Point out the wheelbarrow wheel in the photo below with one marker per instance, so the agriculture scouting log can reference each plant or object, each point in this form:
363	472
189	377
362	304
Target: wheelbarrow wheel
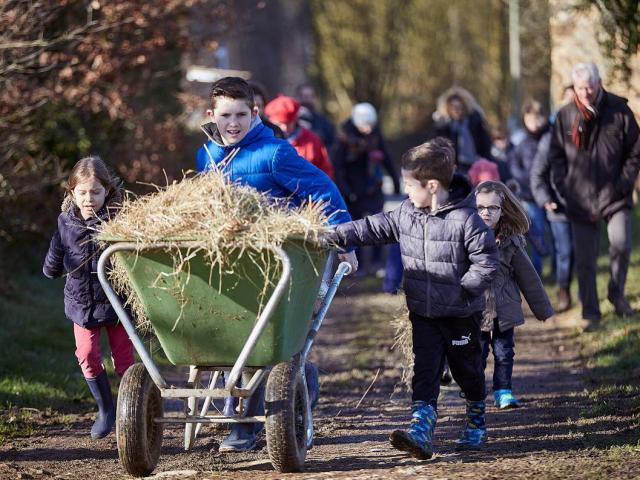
286	417
139	437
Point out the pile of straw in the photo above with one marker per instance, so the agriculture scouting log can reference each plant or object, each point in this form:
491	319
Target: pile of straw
403	341
220	216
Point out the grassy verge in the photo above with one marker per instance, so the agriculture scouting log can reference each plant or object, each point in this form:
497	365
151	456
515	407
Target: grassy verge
612	354
37	363
39	374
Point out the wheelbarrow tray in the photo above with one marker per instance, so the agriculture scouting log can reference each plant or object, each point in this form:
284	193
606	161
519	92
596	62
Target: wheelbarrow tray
202	316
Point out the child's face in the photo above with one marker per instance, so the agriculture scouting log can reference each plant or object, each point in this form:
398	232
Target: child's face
419	195
533	122
287	128
233	118
489	207
89	196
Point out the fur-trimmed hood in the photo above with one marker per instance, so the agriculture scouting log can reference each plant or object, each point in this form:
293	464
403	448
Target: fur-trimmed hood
441	115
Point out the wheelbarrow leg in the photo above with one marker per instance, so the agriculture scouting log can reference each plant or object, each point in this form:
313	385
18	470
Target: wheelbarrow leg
192	404
207	401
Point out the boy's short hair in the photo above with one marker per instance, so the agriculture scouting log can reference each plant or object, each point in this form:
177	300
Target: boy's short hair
232	87
433	160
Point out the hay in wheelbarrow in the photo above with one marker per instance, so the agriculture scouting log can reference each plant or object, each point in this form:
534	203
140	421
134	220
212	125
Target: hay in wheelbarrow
221	217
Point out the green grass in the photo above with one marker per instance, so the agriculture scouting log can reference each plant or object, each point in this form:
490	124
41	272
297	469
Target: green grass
37	363
612	351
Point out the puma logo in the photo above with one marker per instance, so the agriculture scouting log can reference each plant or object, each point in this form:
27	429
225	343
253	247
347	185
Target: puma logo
464	340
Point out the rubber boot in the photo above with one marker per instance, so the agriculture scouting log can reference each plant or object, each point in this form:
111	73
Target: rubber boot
242	437
101	391
230	404
474	433
418	440
313	383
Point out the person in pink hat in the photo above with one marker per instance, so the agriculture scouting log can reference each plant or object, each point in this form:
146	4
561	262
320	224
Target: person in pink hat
283	112
483	170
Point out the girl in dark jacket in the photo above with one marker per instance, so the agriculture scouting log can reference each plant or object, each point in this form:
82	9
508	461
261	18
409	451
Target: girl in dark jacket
92	195
503	213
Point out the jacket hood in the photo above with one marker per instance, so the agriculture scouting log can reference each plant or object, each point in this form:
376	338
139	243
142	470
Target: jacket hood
257	130
459	194
441	115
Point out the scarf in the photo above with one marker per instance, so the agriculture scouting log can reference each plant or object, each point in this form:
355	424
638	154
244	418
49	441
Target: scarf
582	124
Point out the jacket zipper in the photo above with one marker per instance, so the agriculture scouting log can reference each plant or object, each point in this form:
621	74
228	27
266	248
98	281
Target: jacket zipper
426	268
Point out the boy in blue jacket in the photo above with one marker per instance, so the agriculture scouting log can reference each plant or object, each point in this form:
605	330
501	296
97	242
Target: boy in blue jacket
247	151
449	257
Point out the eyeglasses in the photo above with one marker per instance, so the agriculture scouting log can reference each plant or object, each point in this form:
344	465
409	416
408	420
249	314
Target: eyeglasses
490	208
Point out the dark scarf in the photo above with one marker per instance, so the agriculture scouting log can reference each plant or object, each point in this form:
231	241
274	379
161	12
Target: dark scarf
583	124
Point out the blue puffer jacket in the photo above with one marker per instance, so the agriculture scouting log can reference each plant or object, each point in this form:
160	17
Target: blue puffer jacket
271	165
449	255
73	252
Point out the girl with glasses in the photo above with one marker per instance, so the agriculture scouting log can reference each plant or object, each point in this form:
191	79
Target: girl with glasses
502	212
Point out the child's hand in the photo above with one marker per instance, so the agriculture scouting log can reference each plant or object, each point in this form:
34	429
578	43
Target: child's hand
351	259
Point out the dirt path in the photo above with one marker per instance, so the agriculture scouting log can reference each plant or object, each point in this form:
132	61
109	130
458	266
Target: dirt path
547	438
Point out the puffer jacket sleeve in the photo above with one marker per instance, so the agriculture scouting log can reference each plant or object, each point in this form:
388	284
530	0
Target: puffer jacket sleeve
53	262
373	230
305	181
530	284
482	252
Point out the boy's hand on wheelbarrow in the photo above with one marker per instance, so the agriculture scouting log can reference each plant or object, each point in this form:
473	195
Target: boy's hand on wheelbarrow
350	258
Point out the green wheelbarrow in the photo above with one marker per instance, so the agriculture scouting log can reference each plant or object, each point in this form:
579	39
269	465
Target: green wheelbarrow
254	323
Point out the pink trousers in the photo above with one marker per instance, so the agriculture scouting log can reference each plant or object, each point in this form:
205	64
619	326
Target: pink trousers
89	354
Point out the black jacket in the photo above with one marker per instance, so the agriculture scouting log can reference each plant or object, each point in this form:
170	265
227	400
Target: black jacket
449	256
598	181
359	161
74	252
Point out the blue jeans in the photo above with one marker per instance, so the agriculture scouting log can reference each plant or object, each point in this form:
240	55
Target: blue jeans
562	245
393	269
535	235
502	344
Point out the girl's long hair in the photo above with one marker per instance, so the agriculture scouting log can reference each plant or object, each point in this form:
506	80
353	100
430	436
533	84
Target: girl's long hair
514	219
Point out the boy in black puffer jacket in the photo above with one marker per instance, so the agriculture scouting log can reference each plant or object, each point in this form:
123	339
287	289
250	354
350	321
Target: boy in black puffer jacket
449	257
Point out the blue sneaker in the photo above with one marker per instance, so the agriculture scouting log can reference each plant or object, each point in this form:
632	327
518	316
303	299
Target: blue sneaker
418	440
505	399
474	434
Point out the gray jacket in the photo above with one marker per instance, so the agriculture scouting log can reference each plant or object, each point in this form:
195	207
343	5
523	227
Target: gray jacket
449	255
541	187
516	274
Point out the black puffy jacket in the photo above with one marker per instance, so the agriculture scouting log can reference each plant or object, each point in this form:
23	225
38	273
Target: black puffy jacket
74	252
449	255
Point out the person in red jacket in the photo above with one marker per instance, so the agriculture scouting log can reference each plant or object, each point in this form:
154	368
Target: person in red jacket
283	112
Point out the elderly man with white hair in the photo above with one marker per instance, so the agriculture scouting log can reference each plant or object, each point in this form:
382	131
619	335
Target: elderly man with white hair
595	158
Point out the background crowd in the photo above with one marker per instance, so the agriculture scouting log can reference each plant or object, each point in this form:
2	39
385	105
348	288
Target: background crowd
566	187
